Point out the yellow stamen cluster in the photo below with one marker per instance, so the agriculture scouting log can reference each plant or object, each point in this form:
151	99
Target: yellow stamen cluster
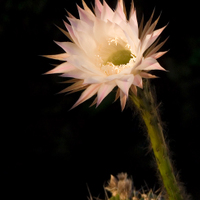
114	56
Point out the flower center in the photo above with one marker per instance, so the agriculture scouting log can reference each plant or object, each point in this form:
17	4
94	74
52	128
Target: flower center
121	57
114	55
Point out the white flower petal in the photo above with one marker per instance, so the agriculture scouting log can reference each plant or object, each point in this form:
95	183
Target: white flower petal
150	38
80	25
71	32
76	74
116	18
137	81
147	75
125	84
107	13
88	93
87	9
82	63
120	10
104	90
61	56
98	8
134	24
158	54
62	68
123	99
85	40
70	48
95	79
150	64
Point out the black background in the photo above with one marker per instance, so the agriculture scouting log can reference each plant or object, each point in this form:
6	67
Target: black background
49	151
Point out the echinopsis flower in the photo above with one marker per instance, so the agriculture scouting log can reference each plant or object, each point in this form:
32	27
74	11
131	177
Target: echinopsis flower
107	50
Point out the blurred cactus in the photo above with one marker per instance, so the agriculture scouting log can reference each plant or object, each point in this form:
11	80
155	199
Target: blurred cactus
122	188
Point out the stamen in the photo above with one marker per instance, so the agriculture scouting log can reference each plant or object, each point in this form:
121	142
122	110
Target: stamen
114	56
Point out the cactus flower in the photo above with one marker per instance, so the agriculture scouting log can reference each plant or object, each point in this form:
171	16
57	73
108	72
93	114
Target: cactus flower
107	50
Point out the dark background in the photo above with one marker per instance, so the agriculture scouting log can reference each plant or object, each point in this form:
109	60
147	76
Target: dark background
49	151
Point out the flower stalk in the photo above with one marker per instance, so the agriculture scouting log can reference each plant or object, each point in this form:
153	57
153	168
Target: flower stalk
146	105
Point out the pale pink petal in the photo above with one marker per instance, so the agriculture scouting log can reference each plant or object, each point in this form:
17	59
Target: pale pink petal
98	35
98	8
155	66
104	90
62	68
94	79
132	42
114	77
83	63
159	54
88	93
61	56
134	89
75	86
87	17
65	33
107	13
138	81
147	75
86	41
71	32
117	95
116	18
80	25
70	48
155	35
150	38
120	10
133	23
123	99
94	102
150	64
124	85
78	74
87	9
70	15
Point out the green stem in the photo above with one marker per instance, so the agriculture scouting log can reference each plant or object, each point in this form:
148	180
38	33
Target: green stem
145	103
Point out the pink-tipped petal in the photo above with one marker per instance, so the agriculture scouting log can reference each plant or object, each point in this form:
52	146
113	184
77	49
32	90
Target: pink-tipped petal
117	95
78	74
94	102
98	8
159	54
151	38
150	64
107	13
147	75
86	8
104	90
82	63
120	10
71	32
70	48
123	99
61	56
134	89
75	86
138	81
94	79
87	17
88	93
133	23
80	25
62	68
124	85
86	41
